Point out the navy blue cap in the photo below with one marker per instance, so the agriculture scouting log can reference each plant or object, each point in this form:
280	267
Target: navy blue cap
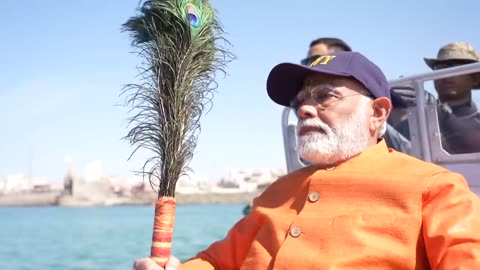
286	79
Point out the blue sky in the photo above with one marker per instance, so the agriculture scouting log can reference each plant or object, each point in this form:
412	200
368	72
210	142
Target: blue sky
63	64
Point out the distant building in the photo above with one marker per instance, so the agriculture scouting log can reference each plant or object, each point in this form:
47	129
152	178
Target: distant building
40	188
19	183
68	183
249	180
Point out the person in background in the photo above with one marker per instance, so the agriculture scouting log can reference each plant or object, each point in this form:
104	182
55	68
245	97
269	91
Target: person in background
323	46
459	118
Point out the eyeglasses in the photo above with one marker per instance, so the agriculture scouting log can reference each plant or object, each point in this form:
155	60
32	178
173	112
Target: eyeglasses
309	60
323	96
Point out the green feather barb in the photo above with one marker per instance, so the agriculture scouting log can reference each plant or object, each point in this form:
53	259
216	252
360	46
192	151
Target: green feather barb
181	44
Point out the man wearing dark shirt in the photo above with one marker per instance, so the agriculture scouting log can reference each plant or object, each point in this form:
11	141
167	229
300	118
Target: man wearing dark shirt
459	119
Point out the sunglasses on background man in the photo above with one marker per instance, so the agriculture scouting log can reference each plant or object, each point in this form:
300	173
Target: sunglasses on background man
307	61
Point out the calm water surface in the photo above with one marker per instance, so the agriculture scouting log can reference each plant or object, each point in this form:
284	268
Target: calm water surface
102	238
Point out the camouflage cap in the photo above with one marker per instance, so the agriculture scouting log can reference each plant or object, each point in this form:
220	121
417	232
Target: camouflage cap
455	51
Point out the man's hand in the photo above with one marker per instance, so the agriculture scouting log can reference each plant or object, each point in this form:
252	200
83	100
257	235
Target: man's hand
148	264
403	97
406	97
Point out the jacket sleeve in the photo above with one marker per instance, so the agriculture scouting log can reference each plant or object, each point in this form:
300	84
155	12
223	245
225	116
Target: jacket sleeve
230	252
451	223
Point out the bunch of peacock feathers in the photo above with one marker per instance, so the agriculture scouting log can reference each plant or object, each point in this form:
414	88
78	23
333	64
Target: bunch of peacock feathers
181	43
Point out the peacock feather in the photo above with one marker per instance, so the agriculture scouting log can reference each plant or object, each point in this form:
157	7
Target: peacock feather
182	46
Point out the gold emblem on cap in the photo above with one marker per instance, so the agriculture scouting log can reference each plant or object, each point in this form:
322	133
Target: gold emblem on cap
322	60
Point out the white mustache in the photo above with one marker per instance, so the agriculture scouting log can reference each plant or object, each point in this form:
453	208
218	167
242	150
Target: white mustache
312	123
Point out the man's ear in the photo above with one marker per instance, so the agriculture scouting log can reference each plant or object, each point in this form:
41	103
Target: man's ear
381	111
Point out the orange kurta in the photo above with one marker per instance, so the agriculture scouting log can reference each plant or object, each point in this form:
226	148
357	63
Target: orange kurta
379	210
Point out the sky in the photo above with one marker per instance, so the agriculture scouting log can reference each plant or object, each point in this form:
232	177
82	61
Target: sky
63	65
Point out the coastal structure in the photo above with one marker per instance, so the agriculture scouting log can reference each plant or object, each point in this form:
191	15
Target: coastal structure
95	189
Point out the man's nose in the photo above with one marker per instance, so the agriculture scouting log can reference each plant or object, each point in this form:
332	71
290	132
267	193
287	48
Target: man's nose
307	110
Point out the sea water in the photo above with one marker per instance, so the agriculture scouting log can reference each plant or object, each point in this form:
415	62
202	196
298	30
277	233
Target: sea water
54	238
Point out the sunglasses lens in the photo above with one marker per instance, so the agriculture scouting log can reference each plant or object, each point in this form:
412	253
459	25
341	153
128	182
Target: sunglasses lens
450	64
307	61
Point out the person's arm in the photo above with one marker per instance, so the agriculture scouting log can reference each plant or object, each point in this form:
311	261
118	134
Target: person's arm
459	134
225	254
403	97
451	223
230	252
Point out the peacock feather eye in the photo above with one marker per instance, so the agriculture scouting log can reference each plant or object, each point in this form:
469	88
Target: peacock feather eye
193	16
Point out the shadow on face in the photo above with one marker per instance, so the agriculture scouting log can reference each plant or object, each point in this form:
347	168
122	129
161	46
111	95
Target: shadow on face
454	88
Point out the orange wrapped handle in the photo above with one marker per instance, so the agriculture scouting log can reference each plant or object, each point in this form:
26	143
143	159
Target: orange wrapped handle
163	230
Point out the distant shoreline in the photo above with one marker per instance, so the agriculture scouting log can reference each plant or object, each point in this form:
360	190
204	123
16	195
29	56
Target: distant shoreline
57	199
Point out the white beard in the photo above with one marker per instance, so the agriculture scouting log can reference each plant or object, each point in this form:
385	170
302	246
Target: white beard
347	139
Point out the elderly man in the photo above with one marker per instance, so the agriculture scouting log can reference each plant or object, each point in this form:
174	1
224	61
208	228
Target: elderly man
360	205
